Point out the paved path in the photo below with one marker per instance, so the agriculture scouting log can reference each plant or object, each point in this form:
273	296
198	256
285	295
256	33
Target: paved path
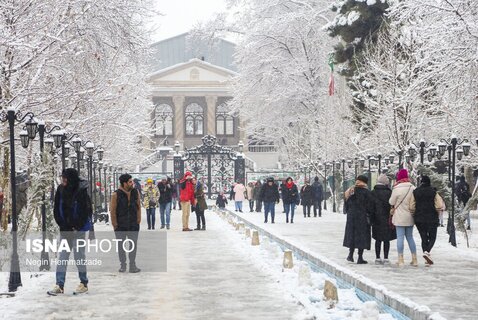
206	279
449	287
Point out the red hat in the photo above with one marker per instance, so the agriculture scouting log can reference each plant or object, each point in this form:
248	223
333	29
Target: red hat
187	174
402	174
98	184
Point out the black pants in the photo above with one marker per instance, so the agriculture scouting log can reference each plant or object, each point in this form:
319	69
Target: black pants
428	233
122	234
386	248
317	205
306	209
251	205
200	218
258	206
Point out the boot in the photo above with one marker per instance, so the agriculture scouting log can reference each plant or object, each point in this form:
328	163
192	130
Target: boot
350	257
414	262
198	227
400	262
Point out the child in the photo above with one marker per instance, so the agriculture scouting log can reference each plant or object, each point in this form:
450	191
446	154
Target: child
221	201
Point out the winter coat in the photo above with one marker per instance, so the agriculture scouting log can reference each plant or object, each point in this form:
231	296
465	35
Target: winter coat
425	205
359	207
290	196
186	193
307	195
221	201
256	194
250	192
200	198
318	191
165	192
381	228
239	190
462	190
269	193
125	210
75	213
400	200
150	193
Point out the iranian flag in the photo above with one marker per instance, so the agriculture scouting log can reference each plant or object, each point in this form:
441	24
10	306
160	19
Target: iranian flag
331	80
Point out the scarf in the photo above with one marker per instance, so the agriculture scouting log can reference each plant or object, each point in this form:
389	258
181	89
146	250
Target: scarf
289	185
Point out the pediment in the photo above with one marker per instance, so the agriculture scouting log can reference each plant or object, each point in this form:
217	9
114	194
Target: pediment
194	70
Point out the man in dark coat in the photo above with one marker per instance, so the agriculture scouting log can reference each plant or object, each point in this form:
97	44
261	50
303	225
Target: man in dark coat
165	200
426	203
359	206
382	228
307	198
462	190
318	196
125	210
257	195
270	196
73	213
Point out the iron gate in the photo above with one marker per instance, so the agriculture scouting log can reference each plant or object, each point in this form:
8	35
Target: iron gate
216	166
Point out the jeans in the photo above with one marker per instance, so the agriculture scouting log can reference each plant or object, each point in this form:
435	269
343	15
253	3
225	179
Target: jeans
238	205
251	205
318	205
289	208
151	217
165	212
78	253
428	234
175	200
405	232
269	207
122	235
258	206
200	218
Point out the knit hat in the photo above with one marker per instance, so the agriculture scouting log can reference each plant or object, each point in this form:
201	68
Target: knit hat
149	180
362	178
270	179
383	179
426	181
402	174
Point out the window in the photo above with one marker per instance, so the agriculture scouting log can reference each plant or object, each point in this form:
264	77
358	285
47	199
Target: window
194	119
224	121
164	120
194	74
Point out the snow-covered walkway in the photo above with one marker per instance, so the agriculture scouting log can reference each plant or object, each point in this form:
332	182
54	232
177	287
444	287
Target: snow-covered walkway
448	287
207	278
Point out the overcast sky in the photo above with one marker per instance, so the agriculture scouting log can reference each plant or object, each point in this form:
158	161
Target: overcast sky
181	15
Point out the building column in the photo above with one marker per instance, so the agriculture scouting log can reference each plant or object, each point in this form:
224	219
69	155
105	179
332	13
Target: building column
179	118
211	115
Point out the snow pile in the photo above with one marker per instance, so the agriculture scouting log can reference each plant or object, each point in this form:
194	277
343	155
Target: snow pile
370	311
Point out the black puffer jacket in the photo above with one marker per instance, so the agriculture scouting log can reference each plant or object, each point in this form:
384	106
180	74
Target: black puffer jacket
381	228
269	193
307	195
291	195
165	193
425	211
73	211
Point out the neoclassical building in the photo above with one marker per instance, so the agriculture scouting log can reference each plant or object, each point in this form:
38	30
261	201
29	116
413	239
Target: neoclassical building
190	90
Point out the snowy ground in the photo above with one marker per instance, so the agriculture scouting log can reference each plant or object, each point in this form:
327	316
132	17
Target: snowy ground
215	274
449	287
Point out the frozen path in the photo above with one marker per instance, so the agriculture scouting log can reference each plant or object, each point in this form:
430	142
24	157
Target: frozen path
449	287
206	279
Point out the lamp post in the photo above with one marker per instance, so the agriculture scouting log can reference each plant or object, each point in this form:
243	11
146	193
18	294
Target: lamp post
369	172
326	166
110	180
422	147
464	149
400	158
95	194
11	117
100	166
344	187
77	146
105	168
335	165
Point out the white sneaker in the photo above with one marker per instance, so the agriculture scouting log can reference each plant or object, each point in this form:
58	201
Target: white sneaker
386	262
378	261
56	291
81	289
428	258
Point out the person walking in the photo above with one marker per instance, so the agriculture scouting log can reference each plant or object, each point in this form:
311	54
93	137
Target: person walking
318	192
187	198
290	197
307	198
402	218
462	190
201	205
73	213
250	195
425	205
270	196
150	202
137	186
165	199
239	191
257	195
359	206
221	200
383	231
125	210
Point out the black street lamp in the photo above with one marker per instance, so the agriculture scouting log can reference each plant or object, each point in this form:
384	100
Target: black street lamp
105	168
423	148
369	171
400	158
335	165
95	193
100	166
326	166
111	178
343	177
76	142
464	149
15	279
